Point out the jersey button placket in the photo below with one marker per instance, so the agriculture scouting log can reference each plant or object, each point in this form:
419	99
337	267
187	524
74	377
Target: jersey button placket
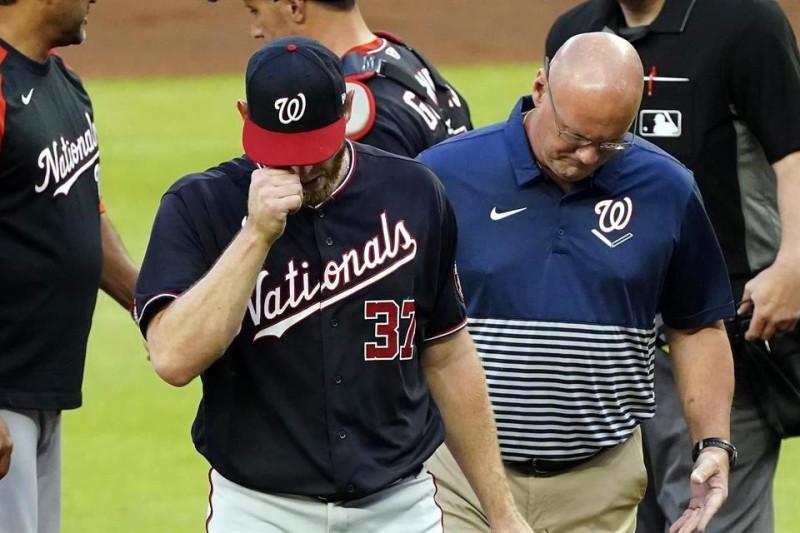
559	240
342	434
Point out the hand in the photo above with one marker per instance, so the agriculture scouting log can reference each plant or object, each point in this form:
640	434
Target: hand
512	523
5	448
774	298
274	194
708	490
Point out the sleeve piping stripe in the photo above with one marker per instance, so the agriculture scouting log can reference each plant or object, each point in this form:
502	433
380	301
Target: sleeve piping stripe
153	299
450	331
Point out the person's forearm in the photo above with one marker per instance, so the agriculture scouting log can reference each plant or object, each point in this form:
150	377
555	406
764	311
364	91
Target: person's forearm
788	174
6	446
118	277
458	386
703	369
195	330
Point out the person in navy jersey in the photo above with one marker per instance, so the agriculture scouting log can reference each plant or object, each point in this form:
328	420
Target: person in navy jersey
311	284
58	247
401	104
574	235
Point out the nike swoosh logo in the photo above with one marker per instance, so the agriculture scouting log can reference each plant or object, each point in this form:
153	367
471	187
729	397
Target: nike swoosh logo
26	98
495	215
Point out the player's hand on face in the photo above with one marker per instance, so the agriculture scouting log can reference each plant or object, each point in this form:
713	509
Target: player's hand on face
708	490
274	194
774	297
5	448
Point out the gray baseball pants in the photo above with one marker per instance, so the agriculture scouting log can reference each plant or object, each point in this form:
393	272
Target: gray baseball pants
30	494
407	506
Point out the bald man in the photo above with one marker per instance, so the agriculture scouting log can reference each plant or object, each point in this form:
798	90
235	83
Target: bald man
731	115
574	235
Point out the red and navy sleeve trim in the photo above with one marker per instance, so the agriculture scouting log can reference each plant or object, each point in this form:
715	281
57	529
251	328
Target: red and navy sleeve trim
450	331
141	317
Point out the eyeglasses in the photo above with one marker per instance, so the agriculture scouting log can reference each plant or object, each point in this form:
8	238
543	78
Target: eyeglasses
580	140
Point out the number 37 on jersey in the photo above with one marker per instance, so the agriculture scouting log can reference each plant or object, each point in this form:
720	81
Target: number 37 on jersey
395	325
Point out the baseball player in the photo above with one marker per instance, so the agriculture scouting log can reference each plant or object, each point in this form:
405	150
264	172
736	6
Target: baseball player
401	103
311	284
57	248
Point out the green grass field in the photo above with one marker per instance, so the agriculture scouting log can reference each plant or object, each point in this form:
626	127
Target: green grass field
129	464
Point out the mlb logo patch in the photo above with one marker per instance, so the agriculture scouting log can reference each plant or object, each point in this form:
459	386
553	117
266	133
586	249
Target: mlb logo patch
660	123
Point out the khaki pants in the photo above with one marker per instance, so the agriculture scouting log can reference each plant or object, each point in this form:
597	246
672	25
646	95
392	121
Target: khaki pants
599	496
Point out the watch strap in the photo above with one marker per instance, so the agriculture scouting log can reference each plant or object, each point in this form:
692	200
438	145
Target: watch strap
715	443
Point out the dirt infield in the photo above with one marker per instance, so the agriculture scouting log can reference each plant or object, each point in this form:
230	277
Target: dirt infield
166	37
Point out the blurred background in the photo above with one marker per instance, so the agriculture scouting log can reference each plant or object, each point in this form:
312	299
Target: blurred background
164	76
166	37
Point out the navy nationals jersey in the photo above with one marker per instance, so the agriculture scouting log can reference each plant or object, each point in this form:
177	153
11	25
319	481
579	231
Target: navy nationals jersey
49	231
322	391
402	104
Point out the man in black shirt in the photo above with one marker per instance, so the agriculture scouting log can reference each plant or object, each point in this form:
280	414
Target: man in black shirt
722	94
402	104
58	247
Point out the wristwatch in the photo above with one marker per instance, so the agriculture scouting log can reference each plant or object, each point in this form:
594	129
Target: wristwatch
715	443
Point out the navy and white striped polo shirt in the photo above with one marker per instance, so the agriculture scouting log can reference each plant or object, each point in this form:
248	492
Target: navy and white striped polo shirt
563	289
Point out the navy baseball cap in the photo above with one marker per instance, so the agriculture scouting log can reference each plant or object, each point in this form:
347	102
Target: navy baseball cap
296	102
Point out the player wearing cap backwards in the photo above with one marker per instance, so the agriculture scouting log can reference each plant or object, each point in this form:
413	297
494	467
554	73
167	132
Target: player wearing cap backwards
57	246
311	285
401	103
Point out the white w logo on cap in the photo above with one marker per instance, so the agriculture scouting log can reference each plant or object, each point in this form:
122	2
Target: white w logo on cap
291	110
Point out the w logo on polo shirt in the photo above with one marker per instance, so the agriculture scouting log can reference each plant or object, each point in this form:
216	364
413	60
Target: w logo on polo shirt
614	217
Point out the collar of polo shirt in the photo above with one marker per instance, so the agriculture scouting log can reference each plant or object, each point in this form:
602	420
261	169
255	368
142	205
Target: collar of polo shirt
672	19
